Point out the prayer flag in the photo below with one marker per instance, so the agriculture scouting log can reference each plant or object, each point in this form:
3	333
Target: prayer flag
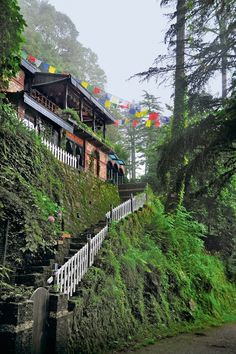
148	123
124	105
101	101
31	59
24	54
90	88
51	69
108	96
135	123
114	100
84	84
138	114
144	112
44	67
165	120
107	104
157	123
96	90
153	116
38	62
132	111
116	123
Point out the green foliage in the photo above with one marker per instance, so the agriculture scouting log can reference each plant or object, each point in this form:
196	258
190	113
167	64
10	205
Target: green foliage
11	26
34	187
5	278
152	278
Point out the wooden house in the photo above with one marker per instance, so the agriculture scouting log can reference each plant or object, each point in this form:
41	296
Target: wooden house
47	103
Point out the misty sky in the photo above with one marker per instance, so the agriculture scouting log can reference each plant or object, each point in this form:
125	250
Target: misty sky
127	35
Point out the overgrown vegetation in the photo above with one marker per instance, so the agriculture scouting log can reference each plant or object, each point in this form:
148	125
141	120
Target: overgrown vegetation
11	26
38	193
153	278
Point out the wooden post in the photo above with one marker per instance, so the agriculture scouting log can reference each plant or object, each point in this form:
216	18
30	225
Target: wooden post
81	109
89	248
104	129
132	202
94	121
66	96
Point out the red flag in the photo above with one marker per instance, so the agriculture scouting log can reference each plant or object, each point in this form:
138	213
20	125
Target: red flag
153	116
124	105
96	90
157	123
135	123
116	123
31	59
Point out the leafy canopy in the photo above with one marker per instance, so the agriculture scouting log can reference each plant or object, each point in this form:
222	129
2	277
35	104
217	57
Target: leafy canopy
11	26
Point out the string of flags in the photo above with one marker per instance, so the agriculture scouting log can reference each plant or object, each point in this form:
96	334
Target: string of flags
133	113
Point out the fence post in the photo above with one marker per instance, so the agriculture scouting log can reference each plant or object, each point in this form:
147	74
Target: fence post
109	219
132	202
89	248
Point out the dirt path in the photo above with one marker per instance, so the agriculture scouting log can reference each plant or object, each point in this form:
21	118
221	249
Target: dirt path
211	341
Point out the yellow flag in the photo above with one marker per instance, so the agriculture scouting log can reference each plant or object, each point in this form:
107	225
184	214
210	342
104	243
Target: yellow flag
51	69
148	123
84	84
107	104
144	113
138	114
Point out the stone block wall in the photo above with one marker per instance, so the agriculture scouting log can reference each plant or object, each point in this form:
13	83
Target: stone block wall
16	327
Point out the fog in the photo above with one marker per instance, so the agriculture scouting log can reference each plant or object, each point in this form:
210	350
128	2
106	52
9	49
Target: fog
127	35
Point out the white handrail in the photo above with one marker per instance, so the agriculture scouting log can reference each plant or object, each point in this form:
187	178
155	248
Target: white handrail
71	273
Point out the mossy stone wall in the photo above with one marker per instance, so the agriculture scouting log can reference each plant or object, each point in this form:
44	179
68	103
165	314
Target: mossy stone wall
35	186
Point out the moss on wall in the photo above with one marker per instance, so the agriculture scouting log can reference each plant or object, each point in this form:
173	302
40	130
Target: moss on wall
152	278
35	186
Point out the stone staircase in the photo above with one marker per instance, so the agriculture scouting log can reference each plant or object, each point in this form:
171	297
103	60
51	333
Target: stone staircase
37	273
125	190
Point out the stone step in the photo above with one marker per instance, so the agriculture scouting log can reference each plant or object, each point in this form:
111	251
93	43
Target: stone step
31	279
132	186
45	262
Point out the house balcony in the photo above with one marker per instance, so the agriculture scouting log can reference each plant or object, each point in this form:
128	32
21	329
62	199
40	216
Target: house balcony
82	130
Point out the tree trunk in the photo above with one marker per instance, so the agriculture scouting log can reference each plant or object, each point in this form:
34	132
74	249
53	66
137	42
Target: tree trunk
176	191
222	20
133	155
180	79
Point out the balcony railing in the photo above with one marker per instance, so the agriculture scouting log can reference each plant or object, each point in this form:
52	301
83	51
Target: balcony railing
43	100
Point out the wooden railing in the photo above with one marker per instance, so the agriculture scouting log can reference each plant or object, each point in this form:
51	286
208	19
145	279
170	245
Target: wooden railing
61	154
44	101
71	273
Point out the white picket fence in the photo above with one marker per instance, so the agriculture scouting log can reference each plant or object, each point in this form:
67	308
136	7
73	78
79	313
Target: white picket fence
61	154
71	273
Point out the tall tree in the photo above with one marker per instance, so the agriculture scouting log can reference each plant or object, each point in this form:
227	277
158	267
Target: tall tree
11	27
57	42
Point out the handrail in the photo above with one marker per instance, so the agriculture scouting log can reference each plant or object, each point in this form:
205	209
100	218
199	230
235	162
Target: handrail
71	273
